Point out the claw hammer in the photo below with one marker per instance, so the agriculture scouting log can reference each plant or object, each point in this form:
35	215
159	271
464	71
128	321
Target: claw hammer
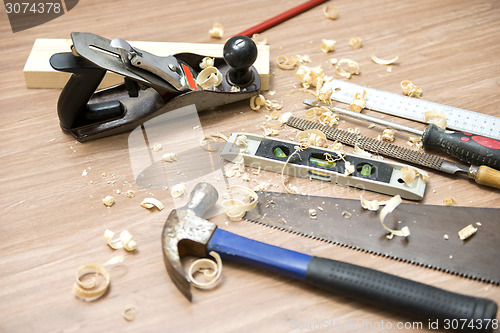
187	232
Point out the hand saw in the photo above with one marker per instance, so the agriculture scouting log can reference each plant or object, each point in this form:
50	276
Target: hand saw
433	243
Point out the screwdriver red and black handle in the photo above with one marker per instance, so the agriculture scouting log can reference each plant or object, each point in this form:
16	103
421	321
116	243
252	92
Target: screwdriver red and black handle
383	290
467	147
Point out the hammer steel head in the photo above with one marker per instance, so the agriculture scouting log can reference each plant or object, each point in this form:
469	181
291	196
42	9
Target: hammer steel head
186	232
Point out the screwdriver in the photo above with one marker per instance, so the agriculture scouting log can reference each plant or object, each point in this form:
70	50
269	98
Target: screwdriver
467	147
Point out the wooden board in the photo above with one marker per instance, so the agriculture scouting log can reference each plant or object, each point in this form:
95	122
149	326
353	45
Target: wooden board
39	74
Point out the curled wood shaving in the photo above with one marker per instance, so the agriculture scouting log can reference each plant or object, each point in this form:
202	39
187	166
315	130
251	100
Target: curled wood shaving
328	45
324	94
436	118
310	76
409	89
450	201
178	190
415	141
336	145
170	157
108	201
312	137
349	168
346	68
130	193
331	12
329	119
128	313
408	174
389	207
205	141
217	31
467	232
157	147
91	290
125	240
372	205
285	63
207	62
209	77
211	271
379	61
152	202
388	135
355	42
346	214
236	208
359	102
257	101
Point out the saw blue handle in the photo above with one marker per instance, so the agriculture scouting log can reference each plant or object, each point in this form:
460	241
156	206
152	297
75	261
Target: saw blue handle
384	290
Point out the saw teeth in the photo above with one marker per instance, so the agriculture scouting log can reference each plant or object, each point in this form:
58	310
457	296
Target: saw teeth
357	248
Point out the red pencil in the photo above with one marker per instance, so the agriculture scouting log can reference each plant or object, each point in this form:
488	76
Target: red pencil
280	18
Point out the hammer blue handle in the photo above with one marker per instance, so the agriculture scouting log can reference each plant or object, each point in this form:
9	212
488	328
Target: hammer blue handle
364	284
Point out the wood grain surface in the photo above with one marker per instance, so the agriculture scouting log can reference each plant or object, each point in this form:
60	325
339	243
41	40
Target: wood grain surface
53	218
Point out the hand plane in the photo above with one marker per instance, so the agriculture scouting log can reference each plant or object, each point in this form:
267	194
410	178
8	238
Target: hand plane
152	84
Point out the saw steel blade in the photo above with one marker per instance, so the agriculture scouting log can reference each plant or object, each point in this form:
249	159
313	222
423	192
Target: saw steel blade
475	258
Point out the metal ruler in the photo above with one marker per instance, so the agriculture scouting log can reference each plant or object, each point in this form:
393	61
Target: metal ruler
414	108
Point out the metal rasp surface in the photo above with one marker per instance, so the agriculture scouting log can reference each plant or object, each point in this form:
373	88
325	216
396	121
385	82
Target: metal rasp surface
475	258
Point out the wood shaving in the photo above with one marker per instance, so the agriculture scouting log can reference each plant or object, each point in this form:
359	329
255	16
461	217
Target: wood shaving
346	214
467	232
128	313
287	64
310	76
346	68
91	290
361	152
372	205
415	141
157	147
257	101
329	119
408	174
178	190
312	137
388	135
130	193
331	12
108	201
170	157
411	90
208	78
235	89
207	62
125	240
260	40
379	61
152	202
211	271
324	94
292	189
436	118
313	214
359	102
217	31
205	141
355	42
270	131
236	208
349	168
389	207
450	201
336	145
328	45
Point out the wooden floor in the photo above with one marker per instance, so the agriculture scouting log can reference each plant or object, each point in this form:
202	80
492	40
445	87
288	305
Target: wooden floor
53	218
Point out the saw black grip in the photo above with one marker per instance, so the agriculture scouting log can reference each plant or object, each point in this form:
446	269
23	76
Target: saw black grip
404	296
467	147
